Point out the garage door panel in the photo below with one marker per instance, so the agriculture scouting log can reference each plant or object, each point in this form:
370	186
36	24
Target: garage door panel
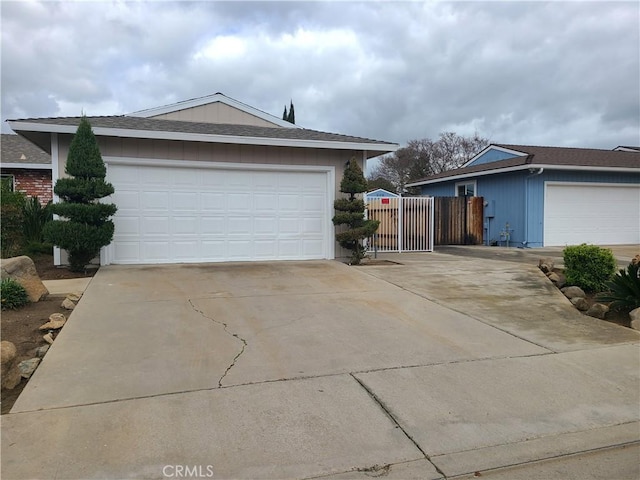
591	213
170	215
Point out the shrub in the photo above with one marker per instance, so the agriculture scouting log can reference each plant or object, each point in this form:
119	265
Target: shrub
589	266
13	295
11	213
623	290
35	217
87	226
350	212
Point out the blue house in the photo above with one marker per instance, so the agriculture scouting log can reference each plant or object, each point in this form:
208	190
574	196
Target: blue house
547	196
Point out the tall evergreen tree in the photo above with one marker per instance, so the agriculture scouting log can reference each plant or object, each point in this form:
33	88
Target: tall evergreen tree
350	212
87	227
285	115
291	118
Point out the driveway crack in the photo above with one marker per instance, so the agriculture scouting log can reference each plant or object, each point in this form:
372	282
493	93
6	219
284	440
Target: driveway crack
395	422
225	327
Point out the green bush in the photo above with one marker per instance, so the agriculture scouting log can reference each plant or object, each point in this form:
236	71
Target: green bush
13	295
11	214
623	290
589	266
35	217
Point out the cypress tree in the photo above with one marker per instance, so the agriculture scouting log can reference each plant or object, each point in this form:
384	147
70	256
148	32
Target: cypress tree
291	118
350	212
285	115
87	226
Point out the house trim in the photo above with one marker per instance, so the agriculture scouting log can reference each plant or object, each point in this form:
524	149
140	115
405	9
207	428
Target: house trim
525	167
28	166
216	97
516	153
203	137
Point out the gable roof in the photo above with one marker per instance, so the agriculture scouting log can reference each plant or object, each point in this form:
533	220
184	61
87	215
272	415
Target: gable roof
552	158
381	193
151	128
18	152
216	97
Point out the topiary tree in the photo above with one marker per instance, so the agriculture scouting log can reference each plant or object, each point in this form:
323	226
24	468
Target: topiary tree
87	227
350	212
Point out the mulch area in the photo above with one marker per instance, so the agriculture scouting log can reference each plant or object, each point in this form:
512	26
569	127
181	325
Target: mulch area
21	326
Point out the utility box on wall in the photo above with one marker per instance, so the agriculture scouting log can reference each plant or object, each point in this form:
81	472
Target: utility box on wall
490	209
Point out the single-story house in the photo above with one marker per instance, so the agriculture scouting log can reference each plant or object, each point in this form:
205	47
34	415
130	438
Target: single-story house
212	179
25	167
381	193
550	196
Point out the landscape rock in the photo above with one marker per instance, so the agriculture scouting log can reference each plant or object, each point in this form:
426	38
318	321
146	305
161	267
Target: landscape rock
56	320
636	260
554	277
7	352
562	280
23	270
598	310
68	304
48	338
580	303
9	371
27	367
634	315
572	292
41	351
74	297
546	265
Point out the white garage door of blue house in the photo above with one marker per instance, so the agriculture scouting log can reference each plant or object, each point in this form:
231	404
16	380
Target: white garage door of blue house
604	214
176	214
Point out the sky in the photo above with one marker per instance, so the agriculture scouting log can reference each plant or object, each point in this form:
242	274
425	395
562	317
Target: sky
528	73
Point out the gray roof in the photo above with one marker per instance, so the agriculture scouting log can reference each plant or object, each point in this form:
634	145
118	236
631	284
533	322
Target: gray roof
179	126
16	149
548	156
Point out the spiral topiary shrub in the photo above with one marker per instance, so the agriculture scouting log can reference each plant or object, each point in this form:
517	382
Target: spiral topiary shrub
86	227
588	266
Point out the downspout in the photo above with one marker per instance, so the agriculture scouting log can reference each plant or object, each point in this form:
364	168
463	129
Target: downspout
526	204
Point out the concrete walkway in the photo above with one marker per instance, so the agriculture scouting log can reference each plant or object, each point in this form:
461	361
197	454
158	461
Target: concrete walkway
319	370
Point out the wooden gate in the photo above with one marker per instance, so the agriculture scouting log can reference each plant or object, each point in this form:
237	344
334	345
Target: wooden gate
406	224
458	220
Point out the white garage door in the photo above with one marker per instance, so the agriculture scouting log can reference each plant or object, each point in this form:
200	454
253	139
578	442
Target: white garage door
602	214
183	215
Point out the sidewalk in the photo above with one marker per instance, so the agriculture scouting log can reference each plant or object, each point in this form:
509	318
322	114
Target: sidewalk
65	286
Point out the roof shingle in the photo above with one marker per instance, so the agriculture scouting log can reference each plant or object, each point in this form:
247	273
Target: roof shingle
16	149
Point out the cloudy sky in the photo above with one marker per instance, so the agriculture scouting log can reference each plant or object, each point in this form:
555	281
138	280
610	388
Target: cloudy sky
535	73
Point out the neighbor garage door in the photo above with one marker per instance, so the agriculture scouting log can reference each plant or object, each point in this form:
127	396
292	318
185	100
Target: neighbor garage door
182	215
602	214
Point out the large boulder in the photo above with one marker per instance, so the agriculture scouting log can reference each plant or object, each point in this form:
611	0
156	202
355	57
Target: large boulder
23	270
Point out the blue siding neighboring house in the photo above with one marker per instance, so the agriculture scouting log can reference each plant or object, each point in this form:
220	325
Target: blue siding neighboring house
545	196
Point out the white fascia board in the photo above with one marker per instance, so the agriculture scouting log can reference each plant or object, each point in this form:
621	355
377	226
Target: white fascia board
217	97
526	167
29	166
515	153
207	138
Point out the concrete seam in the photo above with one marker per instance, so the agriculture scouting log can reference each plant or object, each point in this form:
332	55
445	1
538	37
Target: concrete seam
395	422
546	459
226	330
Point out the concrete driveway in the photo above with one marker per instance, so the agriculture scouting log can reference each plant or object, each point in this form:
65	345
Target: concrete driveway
317	369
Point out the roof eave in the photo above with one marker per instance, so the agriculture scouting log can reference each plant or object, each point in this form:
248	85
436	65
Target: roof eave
26	166
583	168
18	126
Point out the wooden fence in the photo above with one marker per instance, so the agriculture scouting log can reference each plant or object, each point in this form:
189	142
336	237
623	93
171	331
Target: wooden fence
458	220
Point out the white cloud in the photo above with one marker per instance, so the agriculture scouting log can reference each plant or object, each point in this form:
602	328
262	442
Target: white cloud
557	73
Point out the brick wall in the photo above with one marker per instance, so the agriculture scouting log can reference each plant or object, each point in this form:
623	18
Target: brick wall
32	182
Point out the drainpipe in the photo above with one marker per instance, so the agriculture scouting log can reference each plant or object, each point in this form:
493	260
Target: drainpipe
526	202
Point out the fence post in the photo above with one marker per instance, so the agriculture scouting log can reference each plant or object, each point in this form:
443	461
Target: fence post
400	224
